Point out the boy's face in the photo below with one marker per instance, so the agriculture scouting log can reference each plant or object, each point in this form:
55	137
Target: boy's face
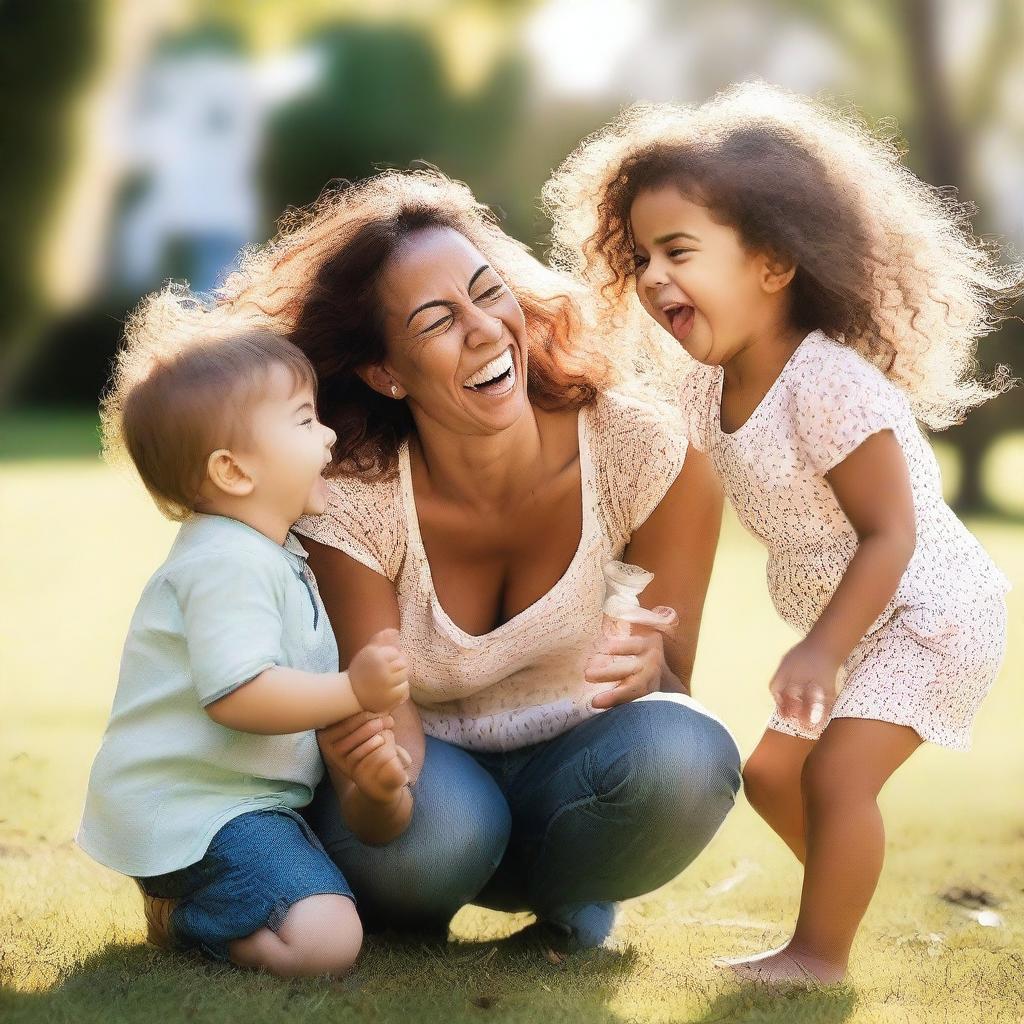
288	449
694	276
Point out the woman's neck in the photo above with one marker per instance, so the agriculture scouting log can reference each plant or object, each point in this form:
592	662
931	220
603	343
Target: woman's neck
486	471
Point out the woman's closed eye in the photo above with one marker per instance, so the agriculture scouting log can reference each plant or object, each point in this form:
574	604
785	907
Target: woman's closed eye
445	321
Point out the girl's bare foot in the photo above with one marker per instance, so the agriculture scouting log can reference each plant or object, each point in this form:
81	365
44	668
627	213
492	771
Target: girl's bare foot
784	966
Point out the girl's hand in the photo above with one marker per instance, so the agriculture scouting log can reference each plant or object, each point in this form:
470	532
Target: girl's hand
804	685
635	663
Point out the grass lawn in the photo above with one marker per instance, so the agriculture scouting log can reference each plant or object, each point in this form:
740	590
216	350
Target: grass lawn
79	542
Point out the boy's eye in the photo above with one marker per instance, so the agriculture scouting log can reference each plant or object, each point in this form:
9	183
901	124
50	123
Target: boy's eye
306	423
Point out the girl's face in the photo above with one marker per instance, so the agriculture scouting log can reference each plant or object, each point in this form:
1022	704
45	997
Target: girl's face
695	278
456	336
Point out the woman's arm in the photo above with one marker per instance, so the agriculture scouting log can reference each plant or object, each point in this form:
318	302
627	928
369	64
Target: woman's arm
360	603
677	543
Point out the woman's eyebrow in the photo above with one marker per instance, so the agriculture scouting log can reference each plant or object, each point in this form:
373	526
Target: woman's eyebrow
441	302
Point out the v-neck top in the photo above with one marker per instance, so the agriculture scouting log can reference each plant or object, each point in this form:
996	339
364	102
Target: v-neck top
521	682
825	403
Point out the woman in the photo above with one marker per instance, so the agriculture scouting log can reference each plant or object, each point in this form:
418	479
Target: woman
485	473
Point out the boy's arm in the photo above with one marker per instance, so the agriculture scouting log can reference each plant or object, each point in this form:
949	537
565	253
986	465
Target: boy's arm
285	700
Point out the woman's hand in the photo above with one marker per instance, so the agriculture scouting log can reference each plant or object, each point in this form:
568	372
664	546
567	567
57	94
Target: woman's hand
635	663
362	748
804	685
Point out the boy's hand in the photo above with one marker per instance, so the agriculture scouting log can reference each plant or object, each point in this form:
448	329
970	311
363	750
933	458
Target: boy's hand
804	685
379	673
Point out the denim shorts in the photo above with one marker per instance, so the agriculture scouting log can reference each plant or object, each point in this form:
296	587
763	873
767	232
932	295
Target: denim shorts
257	866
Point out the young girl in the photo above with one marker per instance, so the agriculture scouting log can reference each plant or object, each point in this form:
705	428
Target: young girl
834	300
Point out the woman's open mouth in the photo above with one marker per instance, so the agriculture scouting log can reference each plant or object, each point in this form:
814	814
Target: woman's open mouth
680	319
496	378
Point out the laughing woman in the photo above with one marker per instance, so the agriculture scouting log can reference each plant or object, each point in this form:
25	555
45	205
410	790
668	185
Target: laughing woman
486	470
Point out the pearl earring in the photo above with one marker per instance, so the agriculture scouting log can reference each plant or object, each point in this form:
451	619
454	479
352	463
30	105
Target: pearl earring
394	391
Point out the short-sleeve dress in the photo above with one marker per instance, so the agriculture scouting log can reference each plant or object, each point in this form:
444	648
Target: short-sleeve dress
523	682
932	654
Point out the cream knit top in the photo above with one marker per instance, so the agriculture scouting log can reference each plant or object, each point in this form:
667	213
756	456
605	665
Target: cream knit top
523	681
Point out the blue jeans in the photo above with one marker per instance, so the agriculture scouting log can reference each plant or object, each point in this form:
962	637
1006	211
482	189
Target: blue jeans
611	809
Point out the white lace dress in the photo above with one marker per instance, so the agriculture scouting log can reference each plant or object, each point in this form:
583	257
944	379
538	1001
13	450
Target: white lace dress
933	653
522	682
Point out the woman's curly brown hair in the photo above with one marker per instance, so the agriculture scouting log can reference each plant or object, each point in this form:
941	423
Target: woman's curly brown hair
316	283
885	263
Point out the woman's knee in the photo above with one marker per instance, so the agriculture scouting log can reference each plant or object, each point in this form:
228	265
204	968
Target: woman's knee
454	842
685	762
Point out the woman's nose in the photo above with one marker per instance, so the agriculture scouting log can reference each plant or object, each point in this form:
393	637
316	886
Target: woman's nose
482	328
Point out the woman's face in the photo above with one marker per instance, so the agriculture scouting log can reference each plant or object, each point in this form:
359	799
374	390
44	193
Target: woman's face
456	336
694	276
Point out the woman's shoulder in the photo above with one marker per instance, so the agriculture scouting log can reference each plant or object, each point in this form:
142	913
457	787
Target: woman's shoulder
637	447
634	411
363	518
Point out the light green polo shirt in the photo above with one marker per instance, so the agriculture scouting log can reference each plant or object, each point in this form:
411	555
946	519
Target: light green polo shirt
227	603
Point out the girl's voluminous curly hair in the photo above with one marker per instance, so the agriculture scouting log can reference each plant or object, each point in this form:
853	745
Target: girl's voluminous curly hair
885	263
316	283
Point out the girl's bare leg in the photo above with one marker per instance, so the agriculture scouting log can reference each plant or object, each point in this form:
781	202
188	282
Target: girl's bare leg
771	783
320	935
845	846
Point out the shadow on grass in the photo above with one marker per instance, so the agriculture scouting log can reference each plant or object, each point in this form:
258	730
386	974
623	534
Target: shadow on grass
752	1003
397	979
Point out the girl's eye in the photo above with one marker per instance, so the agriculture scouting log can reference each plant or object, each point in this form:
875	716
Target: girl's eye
639	261
306	423
673	253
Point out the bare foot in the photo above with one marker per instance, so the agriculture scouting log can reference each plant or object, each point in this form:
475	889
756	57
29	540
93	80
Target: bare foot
784	966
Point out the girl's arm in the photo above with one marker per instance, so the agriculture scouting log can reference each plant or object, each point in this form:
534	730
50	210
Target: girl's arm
677	543
872	486
360	603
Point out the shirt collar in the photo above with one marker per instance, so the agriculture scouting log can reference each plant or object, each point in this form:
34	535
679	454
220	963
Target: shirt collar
292	548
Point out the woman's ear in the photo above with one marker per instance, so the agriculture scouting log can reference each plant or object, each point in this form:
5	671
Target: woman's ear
227	474
381	381
776	273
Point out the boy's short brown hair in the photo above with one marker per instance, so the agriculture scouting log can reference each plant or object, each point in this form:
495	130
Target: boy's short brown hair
169	409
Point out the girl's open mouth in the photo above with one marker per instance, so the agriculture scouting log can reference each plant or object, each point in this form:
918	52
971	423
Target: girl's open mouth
680	320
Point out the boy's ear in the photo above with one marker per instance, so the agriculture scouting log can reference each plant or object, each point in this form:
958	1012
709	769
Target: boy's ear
776	273
381	381
228	475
